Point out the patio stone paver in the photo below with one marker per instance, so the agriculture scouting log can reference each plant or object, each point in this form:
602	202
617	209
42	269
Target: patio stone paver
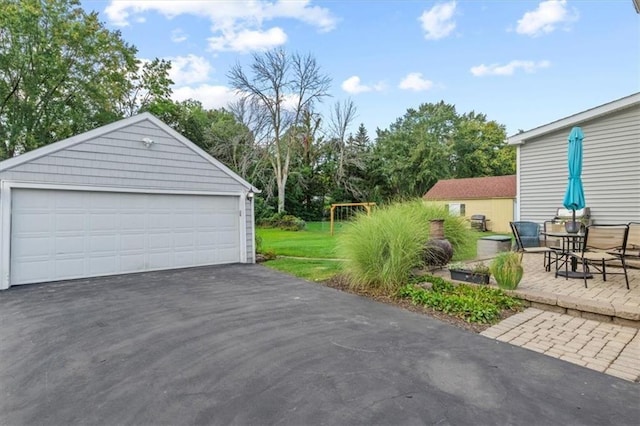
597	327
609	348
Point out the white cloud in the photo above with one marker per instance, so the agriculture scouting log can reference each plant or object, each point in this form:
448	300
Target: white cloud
353	86
212	97
509	69
438	21
546	18
189	69
248	40
414	81
230	20
178	36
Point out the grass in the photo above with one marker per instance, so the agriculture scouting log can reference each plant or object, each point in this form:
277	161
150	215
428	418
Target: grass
315	241
308	269
383	249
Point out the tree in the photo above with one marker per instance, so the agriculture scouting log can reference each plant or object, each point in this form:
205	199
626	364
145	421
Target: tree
149	85
435	142
477	148
280	88
414	152
61	73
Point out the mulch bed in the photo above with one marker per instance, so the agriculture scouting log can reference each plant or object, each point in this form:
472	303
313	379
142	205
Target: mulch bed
339	283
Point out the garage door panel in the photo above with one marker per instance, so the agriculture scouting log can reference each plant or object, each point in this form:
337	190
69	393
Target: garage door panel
32	246
132	220
132	242
73	234
159	241
71	245
72	221
33	271
159	260
69	267
101	265
106	222
132	262
184	259
160	221
31	222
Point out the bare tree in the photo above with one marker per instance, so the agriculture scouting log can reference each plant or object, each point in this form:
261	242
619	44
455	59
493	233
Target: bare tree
342	115
280	87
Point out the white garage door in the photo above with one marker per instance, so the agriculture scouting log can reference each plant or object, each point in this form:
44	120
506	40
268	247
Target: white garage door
58	235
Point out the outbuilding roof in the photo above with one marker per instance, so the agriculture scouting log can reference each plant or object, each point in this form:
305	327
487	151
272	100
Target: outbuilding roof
481	187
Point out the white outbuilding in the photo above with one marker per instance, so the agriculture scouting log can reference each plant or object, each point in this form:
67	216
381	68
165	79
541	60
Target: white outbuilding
131	196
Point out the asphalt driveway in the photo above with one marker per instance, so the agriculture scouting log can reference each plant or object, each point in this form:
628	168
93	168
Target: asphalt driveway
246	345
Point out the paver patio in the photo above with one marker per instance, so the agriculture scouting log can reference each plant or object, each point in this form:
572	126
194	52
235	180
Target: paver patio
595	327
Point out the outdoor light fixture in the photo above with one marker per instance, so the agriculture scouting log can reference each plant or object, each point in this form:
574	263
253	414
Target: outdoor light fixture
250	194
147	142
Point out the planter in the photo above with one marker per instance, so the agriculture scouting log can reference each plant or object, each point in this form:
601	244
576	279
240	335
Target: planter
468	276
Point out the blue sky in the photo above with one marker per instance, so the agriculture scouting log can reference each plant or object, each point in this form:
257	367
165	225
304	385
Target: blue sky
522	63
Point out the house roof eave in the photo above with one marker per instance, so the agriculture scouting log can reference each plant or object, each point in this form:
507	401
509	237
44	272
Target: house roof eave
521	138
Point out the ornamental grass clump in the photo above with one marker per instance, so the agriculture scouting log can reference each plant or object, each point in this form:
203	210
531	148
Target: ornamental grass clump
381	250
507	269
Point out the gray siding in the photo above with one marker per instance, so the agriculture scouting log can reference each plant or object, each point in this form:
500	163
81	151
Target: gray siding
610	172
120	159
250	233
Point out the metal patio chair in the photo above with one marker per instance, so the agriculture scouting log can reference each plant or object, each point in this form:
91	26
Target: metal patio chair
603	245
527	236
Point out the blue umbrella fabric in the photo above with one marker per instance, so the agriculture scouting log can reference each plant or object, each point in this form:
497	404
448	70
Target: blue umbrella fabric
574	197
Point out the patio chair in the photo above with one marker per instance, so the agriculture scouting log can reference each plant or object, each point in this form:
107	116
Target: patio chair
603	245
527	236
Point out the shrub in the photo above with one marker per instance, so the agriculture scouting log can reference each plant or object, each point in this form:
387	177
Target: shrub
283	221
471	303
507	269
258	244
381	250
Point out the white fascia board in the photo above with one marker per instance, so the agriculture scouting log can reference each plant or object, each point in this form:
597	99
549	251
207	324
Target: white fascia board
572	120
195	148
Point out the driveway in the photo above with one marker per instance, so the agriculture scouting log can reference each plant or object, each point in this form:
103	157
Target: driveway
242	344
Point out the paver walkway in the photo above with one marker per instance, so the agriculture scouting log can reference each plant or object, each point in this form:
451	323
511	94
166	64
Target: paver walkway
609	348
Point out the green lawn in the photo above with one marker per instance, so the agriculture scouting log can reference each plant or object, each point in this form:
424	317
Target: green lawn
308	269
317	244
315	241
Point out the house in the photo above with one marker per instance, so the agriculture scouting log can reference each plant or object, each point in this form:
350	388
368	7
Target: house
131	196
610	169
492	197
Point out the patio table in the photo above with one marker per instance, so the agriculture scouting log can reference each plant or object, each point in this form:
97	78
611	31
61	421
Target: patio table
571	242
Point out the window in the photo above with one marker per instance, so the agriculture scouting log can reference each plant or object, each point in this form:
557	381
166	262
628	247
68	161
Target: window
455	209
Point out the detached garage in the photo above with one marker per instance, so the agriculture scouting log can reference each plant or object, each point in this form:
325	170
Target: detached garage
131	196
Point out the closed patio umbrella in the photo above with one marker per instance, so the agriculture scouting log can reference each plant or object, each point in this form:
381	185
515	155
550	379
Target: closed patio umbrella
574	197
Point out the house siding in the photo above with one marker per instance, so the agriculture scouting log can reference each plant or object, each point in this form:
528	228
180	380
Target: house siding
119	159
610	171
499	211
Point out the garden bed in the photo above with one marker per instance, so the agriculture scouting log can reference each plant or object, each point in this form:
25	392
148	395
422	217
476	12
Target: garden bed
338	282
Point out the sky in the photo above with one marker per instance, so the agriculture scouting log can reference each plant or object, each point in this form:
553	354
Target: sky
521	63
